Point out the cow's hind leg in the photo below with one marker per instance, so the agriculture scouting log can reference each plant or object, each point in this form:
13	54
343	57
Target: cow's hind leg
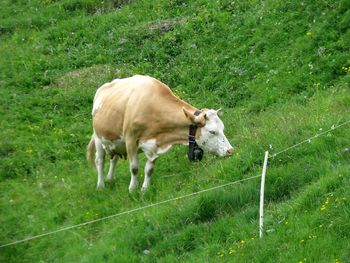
112	164
99	161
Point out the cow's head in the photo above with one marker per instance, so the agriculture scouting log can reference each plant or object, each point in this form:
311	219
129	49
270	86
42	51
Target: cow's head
211	135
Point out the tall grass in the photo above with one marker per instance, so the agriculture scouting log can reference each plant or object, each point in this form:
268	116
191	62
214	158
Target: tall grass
279	71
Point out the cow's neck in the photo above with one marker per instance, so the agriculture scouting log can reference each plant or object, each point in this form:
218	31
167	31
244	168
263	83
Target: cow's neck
176	127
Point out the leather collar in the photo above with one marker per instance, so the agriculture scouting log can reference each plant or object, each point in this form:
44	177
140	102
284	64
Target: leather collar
195	153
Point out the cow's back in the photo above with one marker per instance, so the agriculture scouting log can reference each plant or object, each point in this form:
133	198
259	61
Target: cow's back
125	103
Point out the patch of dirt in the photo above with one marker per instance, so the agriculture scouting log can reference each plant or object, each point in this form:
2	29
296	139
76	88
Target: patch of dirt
120	3
91	77
166	25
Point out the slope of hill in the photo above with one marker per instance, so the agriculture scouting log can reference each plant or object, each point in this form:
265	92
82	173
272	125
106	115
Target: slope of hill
280	72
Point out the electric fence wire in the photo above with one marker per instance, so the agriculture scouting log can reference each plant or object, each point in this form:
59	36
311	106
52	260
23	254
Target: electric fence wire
171	199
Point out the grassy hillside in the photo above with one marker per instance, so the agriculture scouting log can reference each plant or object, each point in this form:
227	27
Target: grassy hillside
279	70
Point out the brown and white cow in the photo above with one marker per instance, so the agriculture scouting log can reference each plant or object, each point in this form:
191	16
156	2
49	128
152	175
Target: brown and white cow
141	113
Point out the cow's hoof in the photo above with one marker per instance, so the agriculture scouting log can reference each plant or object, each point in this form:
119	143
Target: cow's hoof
109	178
132	188
100	186
132	185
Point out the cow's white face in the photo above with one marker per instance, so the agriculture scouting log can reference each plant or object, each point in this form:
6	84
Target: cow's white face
212	137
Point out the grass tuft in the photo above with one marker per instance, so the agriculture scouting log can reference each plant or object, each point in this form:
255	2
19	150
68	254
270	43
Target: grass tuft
279	71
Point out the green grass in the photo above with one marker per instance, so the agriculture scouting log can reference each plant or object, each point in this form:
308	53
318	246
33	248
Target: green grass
278	70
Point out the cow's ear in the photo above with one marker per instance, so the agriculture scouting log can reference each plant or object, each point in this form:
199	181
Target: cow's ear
201	119
197	120
189	115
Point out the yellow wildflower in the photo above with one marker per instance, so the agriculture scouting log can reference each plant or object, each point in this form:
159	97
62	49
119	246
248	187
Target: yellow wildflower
221	254
231	250
324	206
309	34
29	151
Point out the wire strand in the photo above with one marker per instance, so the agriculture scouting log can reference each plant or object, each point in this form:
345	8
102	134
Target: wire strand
309	139
172	199
126	212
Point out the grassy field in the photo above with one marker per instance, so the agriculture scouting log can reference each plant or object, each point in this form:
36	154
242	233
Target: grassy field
280	70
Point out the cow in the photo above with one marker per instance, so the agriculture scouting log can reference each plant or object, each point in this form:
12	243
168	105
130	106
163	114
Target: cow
141	114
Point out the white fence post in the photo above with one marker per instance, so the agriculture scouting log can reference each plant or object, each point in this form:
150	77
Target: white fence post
261	221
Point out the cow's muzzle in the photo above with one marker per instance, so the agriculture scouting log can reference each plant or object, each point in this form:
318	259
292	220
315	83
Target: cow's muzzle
229	152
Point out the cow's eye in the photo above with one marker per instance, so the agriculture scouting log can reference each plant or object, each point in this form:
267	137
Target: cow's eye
212	132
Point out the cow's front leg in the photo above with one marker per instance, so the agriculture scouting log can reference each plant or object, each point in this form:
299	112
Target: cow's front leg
148	173
131	148
134	169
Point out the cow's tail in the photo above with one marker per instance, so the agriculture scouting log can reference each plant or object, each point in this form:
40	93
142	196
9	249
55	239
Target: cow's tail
90	153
